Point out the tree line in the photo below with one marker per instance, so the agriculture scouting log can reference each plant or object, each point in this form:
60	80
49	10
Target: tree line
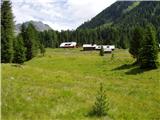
51	38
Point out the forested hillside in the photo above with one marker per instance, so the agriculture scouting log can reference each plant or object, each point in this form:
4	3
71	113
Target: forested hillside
146	12
109	15
124	17
126	12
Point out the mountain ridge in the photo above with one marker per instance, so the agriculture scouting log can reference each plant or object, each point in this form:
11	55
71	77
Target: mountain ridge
40	26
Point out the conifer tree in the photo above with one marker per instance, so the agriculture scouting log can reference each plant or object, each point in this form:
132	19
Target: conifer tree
101	105
101	51
19	50
122	41
7	32
135	43
42	49
30	37
149	50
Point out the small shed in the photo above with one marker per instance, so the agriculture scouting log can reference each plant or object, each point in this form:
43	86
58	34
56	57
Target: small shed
68	45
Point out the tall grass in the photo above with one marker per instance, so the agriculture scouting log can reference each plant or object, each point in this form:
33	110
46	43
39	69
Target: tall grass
62	86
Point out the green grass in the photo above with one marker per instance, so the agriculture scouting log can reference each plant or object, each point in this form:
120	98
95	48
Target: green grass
62	86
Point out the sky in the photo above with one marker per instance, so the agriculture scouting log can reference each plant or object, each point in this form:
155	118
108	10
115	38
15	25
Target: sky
58	14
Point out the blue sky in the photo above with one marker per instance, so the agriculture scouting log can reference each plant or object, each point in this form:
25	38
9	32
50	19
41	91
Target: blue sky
59	14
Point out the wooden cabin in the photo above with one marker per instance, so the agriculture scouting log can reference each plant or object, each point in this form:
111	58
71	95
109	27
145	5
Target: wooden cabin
88	47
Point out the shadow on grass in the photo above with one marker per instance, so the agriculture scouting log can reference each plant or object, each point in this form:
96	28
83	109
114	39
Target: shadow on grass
90	115
137	70
125	66
133	69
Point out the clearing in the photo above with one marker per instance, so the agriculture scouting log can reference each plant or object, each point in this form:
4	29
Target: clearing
62	86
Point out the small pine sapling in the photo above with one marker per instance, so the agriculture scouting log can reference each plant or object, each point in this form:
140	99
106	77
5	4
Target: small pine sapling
101	105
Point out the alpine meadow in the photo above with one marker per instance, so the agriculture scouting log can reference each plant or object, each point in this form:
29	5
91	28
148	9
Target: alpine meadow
108	68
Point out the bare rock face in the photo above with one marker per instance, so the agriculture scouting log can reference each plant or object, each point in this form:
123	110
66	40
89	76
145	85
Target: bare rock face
40	26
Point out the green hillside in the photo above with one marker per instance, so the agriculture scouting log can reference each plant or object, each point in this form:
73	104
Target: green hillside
148	11
126	12
108	16
62	86
122	17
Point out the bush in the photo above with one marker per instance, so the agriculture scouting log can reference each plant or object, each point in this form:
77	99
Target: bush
101	106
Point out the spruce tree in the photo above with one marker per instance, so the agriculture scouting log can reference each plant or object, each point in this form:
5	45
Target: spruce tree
149	50
42	49
122	41
7	32
135	43
30	37
101	106
19	50
101	51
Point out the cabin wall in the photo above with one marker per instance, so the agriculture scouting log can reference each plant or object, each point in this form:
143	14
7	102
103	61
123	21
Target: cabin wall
88	48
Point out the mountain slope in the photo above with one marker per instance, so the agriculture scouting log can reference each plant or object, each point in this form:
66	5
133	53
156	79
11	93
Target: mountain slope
37	24
126	13
110	14
121	18
148	11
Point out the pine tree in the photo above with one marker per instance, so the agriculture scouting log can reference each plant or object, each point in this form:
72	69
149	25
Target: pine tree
101	51
42	49
19	50
30	37
101	105
7	32
123	41
149	50
23	32
135	43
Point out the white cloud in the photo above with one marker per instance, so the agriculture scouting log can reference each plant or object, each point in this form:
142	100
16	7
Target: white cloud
59	14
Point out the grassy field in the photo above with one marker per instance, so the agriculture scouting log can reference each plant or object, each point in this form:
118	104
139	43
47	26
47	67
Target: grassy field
62	86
